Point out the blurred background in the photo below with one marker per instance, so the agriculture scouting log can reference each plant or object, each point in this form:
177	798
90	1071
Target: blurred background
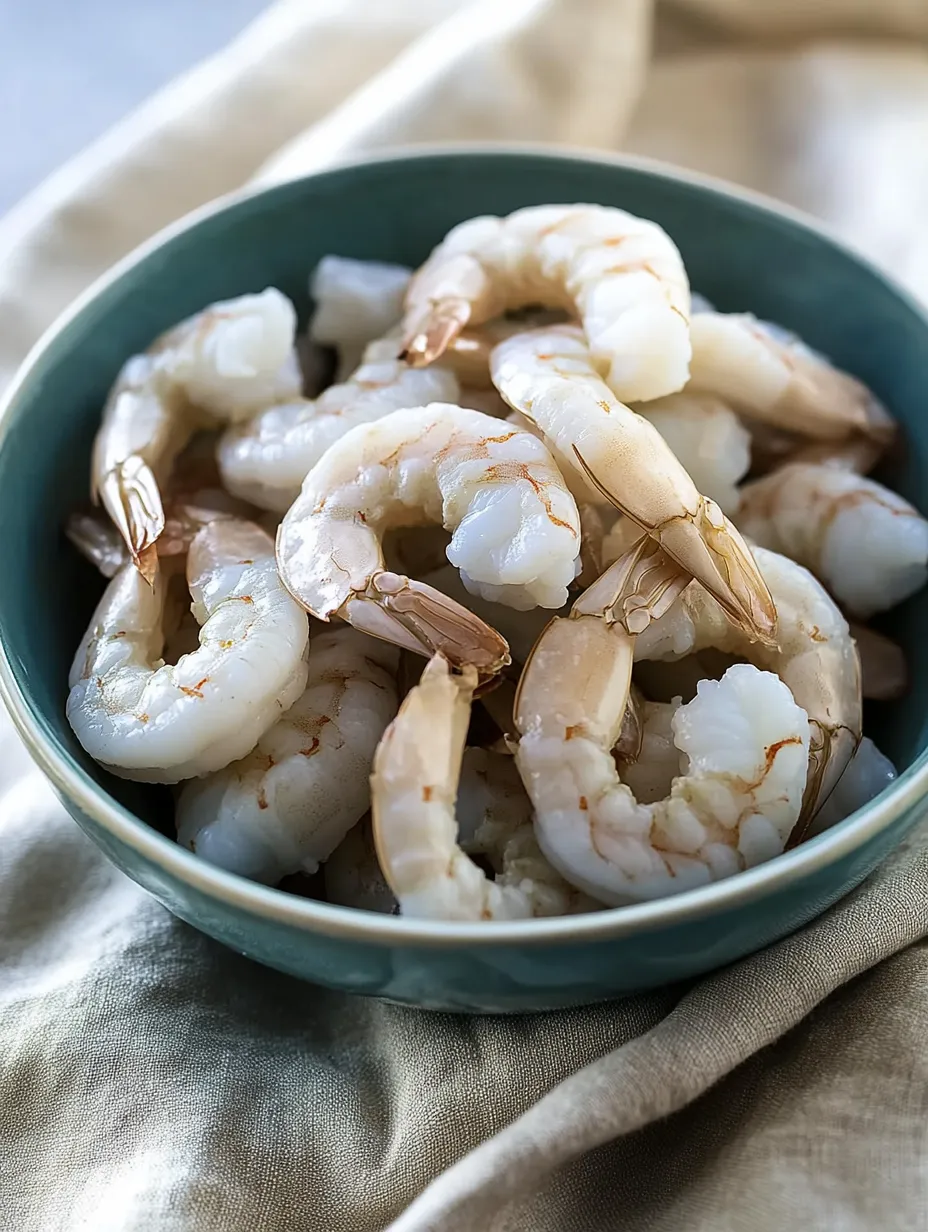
71	68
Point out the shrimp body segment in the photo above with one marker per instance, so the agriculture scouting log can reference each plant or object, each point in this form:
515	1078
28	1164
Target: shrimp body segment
549	377
266	459
356	302
413	790
768	374
708	440
224	364
146	719
867	544
286	806
744	739
621	275
516	532
816	658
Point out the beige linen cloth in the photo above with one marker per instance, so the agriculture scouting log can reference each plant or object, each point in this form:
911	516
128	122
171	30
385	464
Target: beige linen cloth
151	1079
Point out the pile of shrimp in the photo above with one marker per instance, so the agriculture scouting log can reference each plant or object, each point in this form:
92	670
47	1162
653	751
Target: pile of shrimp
552	601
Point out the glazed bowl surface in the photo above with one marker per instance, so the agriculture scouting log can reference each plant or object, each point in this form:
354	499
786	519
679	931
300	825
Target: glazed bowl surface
742	252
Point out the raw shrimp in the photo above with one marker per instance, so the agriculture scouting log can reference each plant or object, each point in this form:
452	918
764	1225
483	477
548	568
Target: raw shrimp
225	363
516	529
883	670
549	376
744	739
145	719
413	788
186	512
767	373
867	544
286	806
868	773
816	658
622	276
708	440
468	354
266	459
355	303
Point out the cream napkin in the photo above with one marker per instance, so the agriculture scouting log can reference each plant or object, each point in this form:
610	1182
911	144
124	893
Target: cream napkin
152	1079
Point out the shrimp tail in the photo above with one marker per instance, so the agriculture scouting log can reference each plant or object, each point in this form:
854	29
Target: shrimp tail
419	618
129	493
435	331
426	739
637	588
830	751
711	549
708	546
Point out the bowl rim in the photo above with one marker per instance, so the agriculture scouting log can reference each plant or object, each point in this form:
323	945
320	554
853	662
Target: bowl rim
352	924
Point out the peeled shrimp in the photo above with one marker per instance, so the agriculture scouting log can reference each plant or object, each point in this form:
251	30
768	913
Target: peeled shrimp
816	658
708	440
549	376
286	806
769	374
744	739
266	459
413	791
621	275
356	302
225	363
868	773
867	544
145	719
516	530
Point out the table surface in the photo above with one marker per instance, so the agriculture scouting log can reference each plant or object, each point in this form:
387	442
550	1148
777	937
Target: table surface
71	68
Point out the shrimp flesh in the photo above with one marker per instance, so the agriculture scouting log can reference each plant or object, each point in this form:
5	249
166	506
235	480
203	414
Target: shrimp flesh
549	376
883	670
868	773
356	302
417	769
516	529
816	658
622	277
286	806
149	720
266	459
225	363
744	739
867	544
766	373
708	440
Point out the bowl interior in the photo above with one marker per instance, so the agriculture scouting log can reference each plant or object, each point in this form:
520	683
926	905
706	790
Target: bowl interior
742	255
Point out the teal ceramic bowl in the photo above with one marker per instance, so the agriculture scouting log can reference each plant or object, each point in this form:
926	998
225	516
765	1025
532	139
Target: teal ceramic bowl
743	253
